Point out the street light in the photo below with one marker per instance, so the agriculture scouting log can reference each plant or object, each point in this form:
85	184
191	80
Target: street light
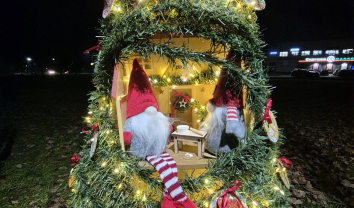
28	62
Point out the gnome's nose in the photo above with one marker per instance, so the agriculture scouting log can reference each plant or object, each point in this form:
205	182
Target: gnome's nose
151	111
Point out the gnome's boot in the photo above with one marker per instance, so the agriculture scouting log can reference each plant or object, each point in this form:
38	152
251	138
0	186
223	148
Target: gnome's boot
168	174
167	201
235	122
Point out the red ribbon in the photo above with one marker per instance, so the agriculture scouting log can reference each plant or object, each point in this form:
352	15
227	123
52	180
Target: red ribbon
94	127
230	191
97	47
266	112
75	159
179	97
285	162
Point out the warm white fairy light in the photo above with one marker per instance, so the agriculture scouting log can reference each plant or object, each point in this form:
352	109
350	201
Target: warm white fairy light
276	188
92	139
155	81
282	192
120	186
107	132
90	112
173	86
206	204
206	181
254	203
116	170
144	198
198	121
168	80
195	109
103	164
117	9
138	192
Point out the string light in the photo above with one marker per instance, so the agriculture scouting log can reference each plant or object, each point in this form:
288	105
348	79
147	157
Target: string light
104	164
90	112
144	198
138	192
206	181
116	170
120	186
168	80
206	204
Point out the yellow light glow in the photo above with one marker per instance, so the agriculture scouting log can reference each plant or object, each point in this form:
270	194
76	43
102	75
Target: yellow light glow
138	192
254	203
239	5
284	169
192	99
164	76
117	8
203	107
104	98
274	160
120	186
276	188
277	170
195	109
88	118
253	3
144	198
206	181
198	121
206	204
282	192
168	80
90	112
107	132
249	16
104	164
73	190
155	81
173	87
101	108
266	203
116	170
184	80
217	73
92	139
191	75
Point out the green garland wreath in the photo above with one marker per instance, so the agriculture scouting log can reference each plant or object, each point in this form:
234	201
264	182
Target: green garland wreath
111	178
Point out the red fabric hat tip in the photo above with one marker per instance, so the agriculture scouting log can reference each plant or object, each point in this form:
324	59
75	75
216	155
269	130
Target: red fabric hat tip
140	92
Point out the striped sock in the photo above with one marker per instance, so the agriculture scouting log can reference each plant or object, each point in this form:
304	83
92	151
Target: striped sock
231	114
170	161
168	177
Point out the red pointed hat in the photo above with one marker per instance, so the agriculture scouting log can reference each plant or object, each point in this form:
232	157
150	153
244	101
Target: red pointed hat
222	94
140	93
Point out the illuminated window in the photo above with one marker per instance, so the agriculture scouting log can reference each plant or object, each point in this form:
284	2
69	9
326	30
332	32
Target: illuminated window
329	66
317	52
315	66
332	52
294	51
347	51
344	66
305	53
283	54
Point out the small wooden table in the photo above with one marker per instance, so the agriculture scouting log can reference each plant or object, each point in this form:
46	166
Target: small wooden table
189	137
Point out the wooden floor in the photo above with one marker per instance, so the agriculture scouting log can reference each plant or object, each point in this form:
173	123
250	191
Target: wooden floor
183	162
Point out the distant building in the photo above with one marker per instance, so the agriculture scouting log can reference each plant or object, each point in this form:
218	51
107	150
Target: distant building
316	55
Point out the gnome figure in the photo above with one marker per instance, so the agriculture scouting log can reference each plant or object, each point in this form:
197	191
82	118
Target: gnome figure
147	131
225	123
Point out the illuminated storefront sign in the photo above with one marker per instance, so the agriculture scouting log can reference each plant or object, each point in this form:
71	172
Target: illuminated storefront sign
315	59
329	59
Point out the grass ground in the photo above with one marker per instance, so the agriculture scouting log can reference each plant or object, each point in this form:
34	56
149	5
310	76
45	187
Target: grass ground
44	118
41	119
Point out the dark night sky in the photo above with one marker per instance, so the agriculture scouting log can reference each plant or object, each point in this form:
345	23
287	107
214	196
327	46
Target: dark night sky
63	29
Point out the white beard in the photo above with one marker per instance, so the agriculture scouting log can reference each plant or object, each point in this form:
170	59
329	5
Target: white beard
149	134
215	124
